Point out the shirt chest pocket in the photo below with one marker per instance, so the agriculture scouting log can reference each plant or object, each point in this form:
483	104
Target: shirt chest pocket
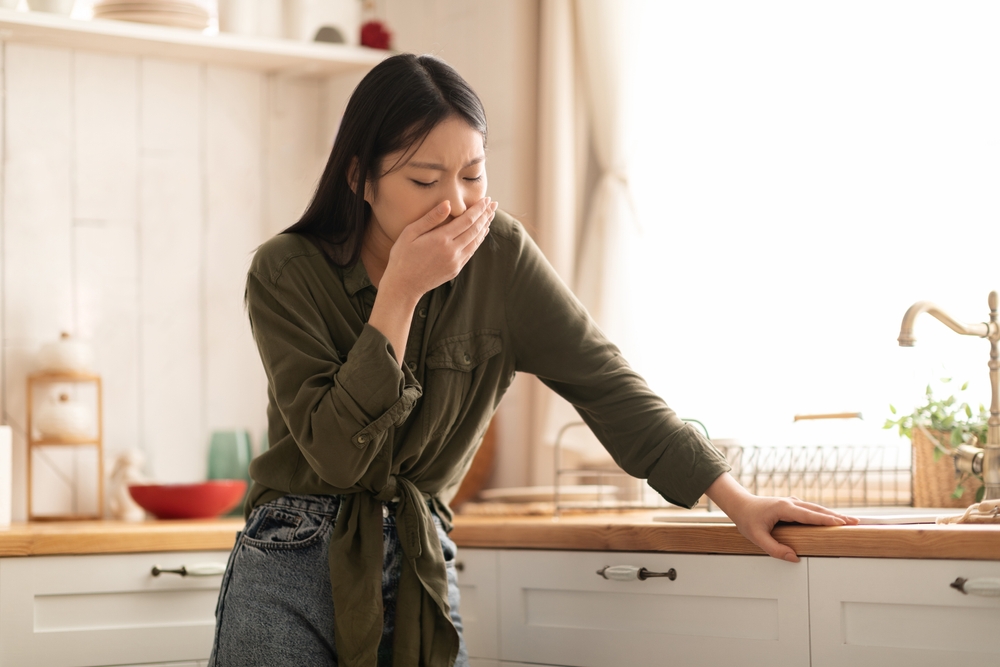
455	369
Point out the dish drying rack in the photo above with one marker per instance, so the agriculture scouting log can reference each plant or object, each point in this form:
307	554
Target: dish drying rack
830	475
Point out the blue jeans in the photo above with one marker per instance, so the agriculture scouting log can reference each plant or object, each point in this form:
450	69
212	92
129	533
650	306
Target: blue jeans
275	607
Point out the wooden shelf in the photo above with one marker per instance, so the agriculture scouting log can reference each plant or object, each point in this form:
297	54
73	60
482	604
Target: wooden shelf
50	442
63	376
138	39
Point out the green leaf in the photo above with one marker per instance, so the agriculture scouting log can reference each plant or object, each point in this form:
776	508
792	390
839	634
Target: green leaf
889	423
946	380
957	493
892	408
980	492
965	386
937	454
968	411
956	438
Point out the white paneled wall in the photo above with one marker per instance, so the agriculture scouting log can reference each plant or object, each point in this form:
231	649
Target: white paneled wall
135	190
134	193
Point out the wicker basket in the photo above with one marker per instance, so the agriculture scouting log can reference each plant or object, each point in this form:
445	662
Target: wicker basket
935	481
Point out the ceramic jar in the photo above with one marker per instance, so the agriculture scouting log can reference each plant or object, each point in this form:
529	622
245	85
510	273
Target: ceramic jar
66	355
52	6
64	419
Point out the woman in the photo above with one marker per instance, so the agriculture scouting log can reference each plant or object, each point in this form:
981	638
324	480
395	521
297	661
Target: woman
390	320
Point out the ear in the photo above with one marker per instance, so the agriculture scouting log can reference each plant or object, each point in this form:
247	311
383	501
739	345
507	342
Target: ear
352	181
352	175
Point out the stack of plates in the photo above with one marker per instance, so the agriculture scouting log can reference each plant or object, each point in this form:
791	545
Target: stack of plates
175	13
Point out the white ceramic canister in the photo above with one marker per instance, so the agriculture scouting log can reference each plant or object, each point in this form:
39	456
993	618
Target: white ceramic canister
52	6
64	419
6	477
241	17
67	355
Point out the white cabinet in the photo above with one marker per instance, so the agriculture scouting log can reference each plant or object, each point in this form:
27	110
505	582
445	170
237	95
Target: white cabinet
477	583
556	609
867	612
83	611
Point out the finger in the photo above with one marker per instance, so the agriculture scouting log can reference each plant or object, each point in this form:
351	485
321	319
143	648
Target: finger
467	220
804	515
431	219
773	547
825	510
475	234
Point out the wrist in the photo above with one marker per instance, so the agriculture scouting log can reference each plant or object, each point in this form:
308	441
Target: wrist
727	493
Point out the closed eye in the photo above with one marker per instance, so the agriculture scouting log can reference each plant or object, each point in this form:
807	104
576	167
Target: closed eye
476	179
422	184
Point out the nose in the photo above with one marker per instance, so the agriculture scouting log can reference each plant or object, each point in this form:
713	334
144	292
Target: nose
456	195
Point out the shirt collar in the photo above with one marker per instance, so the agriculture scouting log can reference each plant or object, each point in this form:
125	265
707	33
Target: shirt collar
356	278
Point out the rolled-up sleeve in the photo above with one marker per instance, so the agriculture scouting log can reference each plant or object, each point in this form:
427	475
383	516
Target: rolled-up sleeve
337	406
555	339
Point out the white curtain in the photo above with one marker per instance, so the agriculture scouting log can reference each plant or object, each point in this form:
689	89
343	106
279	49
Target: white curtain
585	208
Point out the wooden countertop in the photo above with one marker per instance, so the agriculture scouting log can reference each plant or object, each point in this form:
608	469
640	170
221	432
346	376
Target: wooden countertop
636	531
633	531
97	537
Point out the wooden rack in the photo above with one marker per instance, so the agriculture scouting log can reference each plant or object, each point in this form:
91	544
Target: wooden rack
47	378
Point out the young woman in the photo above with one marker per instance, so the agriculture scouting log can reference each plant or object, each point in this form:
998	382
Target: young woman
390	320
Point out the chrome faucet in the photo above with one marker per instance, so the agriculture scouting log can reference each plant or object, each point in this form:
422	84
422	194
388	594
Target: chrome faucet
988	461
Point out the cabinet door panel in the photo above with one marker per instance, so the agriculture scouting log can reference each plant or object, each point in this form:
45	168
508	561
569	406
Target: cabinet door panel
477	583
868	611
79	611
556	609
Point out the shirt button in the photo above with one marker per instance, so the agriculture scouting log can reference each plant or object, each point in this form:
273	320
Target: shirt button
385	511
466	358
362	439
412	365
422	312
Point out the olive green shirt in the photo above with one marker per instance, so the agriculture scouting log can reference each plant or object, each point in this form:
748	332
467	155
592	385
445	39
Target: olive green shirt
345	418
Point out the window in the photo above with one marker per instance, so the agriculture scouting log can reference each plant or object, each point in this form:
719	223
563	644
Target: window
804	172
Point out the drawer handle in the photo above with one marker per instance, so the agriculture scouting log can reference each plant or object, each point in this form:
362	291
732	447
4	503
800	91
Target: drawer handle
200	570
631	573
985	587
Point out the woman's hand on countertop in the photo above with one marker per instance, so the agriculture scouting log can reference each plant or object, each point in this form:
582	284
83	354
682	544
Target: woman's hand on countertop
756	516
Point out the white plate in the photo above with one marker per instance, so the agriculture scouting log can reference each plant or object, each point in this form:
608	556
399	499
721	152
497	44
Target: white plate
532	494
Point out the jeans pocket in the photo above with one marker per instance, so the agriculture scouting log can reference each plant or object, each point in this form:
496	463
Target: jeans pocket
282	528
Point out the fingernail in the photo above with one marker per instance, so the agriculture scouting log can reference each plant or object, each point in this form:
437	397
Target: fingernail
791	558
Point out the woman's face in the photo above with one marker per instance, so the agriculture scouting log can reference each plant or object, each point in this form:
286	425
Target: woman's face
449	164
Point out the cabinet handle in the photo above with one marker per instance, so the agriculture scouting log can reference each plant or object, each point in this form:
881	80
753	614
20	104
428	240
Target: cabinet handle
630	573
985	587
199	570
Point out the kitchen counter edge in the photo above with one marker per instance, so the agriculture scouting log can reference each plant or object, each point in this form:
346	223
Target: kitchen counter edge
594	532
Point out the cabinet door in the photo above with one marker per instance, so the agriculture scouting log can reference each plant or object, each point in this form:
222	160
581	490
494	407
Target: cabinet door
79	611
746	610
877	612
477	583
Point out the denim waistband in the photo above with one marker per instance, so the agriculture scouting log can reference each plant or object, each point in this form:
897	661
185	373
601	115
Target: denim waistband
324	504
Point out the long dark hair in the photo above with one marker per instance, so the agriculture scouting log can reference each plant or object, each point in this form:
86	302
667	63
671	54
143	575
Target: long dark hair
394	107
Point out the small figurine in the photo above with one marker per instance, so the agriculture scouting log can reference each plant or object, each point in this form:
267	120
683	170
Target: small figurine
126	469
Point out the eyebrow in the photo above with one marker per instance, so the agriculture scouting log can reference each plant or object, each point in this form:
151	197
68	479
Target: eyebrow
441	167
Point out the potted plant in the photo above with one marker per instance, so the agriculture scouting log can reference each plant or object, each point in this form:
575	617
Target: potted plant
937	429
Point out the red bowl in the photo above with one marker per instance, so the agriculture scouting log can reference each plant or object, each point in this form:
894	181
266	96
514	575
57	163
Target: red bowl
204	500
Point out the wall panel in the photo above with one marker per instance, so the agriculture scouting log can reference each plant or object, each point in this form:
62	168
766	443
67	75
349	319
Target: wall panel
235	388
170	269
105	222
37	259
